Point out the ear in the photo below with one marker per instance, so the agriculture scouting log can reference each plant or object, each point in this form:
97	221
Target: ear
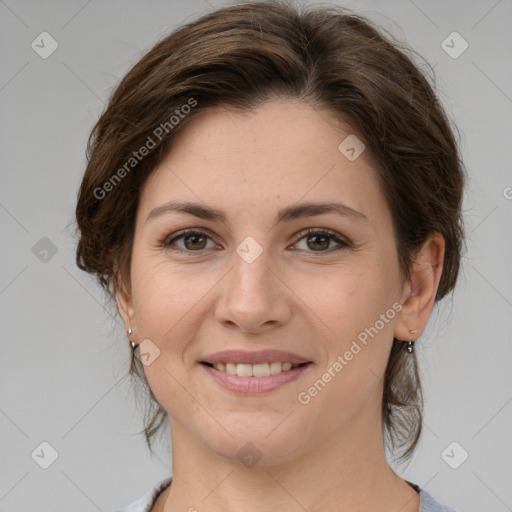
125	307
420	290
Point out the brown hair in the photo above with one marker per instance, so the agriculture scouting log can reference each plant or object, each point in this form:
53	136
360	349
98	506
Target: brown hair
240	56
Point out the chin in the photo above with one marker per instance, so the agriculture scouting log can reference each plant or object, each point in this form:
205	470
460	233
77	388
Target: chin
261	444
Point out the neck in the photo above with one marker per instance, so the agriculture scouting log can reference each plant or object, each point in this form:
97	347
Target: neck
346	472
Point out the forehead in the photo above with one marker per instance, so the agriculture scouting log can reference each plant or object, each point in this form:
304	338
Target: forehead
279	153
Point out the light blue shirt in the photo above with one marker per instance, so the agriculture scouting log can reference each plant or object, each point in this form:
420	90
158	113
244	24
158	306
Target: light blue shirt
144	504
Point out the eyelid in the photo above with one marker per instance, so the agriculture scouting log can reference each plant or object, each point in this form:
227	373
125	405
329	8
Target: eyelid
168	239
341	240
326	231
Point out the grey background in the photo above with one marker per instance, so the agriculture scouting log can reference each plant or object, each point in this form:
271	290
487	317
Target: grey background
64	358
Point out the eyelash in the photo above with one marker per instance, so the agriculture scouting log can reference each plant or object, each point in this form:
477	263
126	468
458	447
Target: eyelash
343	244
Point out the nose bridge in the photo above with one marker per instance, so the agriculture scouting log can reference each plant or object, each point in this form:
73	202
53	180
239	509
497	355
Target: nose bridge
251	295
251	274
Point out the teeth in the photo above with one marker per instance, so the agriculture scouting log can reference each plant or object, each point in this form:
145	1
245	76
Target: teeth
244	370
230	368
275	368
260	370
254	370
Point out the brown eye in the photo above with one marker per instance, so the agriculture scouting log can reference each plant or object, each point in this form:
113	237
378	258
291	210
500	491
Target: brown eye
319	240
193	241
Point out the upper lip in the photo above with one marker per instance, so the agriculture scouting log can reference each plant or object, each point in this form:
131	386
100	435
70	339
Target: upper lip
260	356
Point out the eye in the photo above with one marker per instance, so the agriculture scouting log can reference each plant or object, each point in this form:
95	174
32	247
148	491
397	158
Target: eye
193	241
319	240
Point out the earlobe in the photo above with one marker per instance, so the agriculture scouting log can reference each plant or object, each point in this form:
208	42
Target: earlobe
125	306
421	289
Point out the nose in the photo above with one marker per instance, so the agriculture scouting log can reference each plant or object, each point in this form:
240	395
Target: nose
253	298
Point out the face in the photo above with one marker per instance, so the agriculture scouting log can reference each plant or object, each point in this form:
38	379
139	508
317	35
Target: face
255	280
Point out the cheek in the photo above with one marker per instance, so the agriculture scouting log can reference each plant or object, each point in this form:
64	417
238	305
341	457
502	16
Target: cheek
355	306
164	306
170	304
351	298
159	299
358	309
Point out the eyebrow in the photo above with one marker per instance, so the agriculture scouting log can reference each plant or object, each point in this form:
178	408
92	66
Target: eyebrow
286	214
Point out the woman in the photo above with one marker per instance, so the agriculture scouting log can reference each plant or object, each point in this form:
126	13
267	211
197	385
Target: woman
273	198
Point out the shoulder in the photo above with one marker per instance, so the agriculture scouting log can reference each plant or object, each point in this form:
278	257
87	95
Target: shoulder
429	504
144	503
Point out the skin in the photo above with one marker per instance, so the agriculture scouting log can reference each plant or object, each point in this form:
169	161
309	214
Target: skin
328	454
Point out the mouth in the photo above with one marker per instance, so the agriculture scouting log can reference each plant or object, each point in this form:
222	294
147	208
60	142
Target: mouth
254	379
254	370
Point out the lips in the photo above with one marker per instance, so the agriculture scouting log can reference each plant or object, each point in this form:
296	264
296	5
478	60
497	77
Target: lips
256	357
254	372
255	385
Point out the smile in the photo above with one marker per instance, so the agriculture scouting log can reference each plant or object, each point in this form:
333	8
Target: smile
254	370
253	379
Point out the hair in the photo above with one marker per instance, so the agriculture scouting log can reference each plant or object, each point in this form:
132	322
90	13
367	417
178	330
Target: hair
239	57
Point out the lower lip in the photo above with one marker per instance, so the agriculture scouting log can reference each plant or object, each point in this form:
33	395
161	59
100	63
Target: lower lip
255	385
